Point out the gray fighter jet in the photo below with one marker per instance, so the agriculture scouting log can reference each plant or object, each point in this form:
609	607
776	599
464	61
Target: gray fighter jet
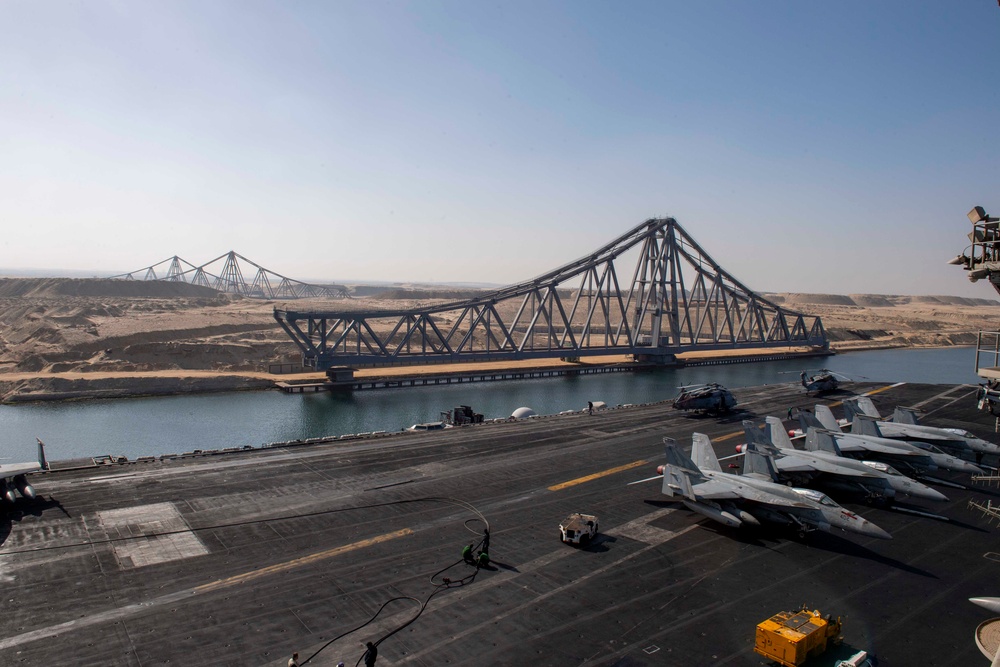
915	458
952	439
823	464
809	468
14	476
736	500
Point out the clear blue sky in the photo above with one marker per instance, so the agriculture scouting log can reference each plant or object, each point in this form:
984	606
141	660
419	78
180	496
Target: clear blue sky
807	146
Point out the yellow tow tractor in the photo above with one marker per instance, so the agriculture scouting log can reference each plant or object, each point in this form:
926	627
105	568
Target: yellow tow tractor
792	637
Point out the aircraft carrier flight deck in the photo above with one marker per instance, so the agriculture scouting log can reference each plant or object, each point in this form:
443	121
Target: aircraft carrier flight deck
247	557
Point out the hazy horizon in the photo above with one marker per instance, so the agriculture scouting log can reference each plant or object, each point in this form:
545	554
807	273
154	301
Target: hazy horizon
29	273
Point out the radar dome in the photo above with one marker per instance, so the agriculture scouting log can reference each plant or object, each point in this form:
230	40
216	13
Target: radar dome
522	413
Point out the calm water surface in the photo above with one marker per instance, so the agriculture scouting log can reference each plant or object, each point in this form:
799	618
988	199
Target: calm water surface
174	424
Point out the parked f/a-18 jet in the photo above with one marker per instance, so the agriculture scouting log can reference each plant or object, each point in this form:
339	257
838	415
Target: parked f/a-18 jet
865	420
14	476
735	500
823	464
913	458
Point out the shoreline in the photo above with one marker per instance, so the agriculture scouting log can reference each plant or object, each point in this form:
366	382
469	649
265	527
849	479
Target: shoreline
16	388
39	387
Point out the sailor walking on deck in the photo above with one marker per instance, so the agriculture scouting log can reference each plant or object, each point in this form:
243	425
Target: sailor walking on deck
370	655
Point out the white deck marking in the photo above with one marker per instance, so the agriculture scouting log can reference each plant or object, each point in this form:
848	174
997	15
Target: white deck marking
945	394
134	522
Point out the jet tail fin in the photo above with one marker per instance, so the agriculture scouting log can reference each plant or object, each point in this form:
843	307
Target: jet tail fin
41	455
867	406
905	416
758	437
678	471
777	435
758	463
825	416
851	410
865	425
703	454
821	440
808	420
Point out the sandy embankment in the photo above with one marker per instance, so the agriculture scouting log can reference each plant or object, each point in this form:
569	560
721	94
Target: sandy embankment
63	339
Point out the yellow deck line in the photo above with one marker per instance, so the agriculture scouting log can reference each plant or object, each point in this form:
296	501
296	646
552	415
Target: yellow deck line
881	389
298	562
869	393
597	475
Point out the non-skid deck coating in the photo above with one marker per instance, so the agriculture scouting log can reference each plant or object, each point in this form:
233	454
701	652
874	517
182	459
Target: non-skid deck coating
243	558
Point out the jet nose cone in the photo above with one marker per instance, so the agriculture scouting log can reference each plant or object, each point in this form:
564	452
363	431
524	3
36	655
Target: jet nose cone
932	494
871	530
993	604
924	492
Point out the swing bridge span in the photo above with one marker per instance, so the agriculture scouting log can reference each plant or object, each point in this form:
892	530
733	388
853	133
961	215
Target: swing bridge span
229	273
651	293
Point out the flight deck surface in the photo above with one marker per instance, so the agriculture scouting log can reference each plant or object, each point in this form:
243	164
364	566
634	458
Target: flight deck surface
243	558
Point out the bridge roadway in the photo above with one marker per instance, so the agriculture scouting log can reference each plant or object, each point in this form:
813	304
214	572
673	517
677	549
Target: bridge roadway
241	559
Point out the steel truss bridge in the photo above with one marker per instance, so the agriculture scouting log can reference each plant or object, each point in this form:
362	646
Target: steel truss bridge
675	298
227	272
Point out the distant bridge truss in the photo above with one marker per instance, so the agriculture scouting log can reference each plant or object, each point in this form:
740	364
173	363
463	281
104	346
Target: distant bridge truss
228	272
671	298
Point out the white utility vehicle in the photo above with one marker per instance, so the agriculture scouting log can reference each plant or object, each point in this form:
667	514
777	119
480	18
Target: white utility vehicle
578	528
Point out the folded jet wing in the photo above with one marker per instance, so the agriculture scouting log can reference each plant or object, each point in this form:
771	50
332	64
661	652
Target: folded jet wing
823	464
953	439
14	476
814	468
824	442
916	458
736	500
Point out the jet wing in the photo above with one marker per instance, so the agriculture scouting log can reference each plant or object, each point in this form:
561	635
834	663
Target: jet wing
858	446
914	431
715	489
767	498
742	488
785	464
15	469
849	443
820	464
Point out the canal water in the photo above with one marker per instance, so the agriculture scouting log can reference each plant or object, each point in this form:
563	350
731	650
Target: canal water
175	424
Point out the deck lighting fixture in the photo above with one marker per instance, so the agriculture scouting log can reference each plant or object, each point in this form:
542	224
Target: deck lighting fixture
978	214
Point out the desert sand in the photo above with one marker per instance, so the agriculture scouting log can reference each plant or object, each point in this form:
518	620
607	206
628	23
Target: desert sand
71	338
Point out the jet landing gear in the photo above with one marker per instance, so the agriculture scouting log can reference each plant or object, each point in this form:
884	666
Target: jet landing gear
801	529
879	501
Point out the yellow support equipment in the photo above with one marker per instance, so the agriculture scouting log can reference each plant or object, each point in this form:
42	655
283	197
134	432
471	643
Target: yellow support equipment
792	637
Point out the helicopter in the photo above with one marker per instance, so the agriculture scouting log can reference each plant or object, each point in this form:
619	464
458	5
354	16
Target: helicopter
710	398
821	380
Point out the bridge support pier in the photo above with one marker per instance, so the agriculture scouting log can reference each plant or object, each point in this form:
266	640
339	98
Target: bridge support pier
340	375
663	359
